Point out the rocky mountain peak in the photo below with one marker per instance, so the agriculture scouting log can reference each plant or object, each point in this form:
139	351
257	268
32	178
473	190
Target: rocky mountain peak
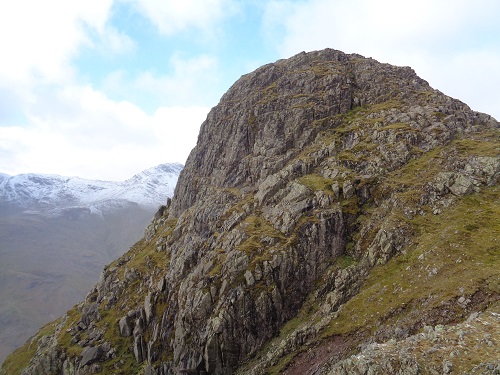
268	116
306	220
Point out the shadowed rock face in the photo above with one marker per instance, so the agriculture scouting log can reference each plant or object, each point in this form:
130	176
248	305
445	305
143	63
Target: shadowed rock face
305	176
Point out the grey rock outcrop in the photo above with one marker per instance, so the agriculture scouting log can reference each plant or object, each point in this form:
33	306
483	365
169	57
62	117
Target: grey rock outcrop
90	355
429	352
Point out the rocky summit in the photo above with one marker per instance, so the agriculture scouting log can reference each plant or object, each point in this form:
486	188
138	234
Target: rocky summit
337	216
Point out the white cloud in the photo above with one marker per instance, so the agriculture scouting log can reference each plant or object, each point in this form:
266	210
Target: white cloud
189	82
471	76
192	80
39	38
351	25
177	128
173	16
115	42
95	137
451	43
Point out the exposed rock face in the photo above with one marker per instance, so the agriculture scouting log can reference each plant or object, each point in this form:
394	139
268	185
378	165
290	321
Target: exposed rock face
305	176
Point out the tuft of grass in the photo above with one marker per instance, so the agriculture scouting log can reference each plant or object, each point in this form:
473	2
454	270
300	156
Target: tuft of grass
439	115
321	70
252	123
258	230
64	338
477	148
268	93
316	182
169	227
345	261
351	206
217	269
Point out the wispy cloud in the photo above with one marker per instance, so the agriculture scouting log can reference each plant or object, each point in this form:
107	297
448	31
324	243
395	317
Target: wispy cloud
115	42
97	136
189	82
39	38
173	16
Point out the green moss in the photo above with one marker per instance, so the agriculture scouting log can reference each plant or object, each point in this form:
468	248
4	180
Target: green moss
239	207
353	114
345	261
281	365
321	70
439	115
258	230
304	105
217	269
144	257
384	106
268	93
297	96
364	148
64	338
251	245
252	123
348	156
351	206
316	182
471	227
477	148
417	173
124	359
169	227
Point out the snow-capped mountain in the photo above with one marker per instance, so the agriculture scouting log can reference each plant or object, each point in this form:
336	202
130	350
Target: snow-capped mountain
56	235
46	193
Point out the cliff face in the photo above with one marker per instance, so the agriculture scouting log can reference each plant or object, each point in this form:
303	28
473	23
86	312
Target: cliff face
331	201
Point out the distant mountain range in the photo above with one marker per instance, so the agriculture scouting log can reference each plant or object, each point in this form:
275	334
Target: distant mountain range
57	233
49	194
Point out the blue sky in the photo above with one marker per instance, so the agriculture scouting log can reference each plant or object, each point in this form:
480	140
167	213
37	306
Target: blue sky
106	88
